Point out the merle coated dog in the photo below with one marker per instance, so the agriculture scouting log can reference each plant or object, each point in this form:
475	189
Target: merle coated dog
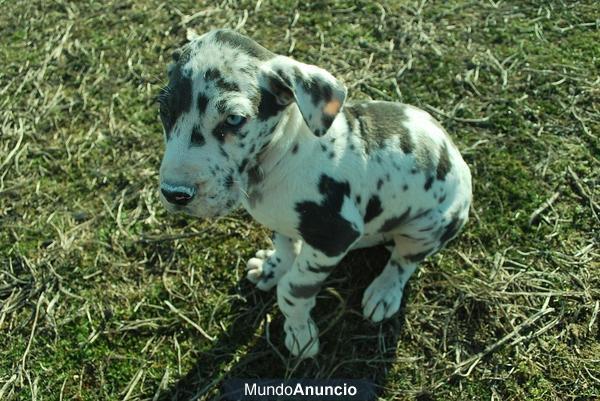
246	126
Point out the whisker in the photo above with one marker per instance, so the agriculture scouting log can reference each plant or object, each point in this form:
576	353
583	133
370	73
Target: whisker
163	95
241	189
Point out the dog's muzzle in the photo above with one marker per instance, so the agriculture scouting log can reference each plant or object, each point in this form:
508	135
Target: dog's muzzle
178	194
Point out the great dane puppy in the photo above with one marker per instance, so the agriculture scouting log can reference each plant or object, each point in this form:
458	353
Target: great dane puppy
244	125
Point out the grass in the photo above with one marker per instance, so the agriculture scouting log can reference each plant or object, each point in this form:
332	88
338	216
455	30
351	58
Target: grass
103	296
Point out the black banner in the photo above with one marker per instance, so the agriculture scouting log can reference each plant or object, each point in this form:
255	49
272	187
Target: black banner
298	390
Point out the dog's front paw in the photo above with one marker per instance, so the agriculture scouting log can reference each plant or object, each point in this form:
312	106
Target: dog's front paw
382	299
302	339
264	269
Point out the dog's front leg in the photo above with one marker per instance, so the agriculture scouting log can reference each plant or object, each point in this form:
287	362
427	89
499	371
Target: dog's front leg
296	294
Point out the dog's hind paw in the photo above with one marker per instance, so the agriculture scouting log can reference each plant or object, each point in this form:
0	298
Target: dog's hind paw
382	299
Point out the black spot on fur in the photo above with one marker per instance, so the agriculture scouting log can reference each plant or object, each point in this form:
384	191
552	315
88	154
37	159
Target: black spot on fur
263	146
176	55
421	213
202	103
396	264
287	301
405	187
323	147
255	176
212	74
379	184
339	234
428	183
278	86
304	291
442	199
219	133
373	208
331	155
268	106
443	163
167	122
316	91
242	166
395	222
326	92
295	148
175	99
197	137
182	55
326	120
320	269
228	86
228	181
358	199
268	276
452	229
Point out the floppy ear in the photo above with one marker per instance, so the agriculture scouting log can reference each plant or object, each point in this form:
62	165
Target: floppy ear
317	93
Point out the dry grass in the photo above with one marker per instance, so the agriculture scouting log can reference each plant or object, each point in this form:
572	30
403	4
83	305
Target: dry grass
105	297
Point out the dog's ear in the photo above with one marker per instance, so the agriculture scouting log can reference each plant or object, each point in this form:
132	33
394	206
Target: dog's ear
317	93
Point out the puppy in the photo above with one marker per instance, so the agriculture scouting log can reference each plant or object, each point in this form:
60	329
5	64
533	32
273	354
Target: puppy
245	126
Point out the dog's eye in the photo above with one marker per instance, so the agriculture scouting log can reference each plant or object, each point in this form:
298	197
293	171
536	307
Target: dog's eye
235	120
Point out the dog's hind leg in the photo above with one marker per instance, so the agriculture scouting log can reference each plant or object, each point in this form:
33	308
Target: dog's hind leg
383	296
268	265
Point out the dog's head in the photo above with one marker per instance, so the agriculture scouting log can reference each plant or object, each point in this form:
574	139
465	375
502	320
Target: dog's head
225	97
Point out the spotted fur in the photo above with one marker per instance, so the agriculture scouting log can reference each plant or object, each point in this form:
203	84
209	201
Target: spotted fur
326	175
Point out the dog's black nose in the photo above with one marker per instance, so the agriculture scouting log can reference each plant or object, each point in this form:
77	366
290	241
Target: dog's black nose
178	194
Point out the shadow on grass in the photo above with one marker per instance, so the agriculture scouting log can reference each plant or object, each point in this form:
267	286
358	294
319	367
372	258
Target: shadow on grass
253	348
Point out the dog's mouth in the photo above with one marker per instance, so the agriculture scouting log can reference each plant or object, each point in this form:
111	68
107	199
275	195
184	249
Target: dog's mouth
207	206
194	210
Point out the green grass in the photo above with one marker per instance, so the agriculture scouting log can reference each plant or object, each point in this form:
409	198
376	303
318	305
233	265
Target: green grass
90	261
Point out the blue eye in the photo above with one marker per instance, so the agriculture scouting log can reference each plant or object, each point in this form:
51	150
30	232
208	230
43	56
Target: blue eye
235	120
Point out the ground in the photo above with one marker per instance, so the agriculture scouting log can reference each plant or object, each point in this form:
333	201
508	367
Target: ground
103	296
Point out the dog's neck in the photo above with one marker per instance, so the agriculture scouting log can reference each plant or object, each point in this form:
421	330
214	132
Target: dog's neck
285	134
288	130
